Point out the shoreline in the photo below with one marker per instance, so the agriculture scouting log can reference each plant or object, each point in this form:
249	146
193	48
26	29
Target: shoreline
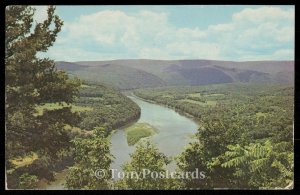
130	123
185	114
113	131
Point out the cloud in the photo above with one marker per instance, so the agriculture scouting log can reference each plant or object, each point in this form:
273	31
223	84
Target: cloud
279	54
75	54
253	33
221	27
263	14
258	32
194	50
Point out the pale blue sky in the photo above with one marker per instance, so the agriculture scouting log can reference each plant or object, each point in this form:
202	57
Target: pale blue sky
221	32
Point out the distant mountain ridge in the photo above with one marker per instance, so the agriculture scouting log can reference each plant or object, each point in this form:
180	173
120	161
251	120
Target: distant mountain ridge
131	74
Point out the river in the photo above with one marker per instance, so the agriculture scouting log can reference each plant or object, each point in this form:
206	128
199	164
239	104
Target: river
174	133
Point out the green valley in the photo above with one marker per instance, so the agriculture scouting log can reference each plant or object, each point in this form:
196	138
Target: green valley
84	109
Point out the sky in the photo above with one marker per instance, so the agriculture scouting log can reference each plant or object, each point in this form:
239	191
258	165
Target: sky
215	32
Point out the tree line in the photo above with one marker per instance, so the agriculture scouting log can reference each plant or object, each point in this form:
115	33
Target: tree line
244	141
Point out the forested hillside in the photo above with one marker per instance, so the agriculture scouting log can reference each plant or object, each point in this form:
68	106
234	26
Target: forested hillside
245	139
132	74
110	108
111	74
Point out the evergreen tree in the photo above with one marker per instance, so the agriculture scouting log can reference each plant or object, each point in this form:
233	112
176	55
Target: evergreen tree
30	82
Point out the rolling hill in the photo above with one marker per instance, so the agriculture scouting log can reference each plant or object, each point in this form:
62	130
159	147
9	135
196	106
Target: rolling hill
132	74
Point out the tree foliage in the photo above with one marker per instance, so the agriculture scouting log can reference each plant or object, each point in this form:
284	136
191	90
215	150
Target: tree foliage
264	164
27	181
90	155
244	141
144	161
31	81
111	109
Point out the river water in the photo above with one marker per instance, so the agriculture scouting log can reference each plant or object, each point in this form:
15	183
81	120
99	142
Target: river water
174	133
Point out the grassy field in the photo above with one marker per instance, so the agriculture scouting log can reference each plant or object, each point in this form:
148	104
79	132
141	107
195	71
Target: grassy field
214	94
87	86
194	95
259	114
207	103
54	106
95	98
22	161
167	96
138	131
